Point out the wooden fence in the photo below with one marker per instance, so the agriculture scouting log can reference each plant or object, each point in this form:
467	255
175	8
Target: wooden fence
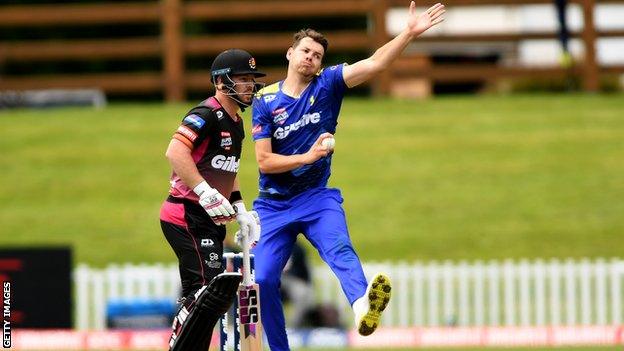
173	46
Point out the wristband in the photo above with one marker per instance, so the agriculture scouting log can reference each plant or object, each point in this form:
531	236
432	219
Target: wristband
235	196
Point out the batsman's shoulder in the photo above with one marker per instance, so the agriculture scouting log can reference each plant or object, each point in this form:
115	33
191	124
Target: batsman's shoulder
205	113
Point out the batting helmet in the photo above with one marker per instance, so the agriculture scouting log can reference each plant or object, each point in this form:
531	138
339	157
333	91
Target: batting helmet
234	62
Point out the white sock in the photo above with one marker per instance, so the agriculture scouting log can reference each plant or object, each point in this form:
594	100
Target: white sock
360	306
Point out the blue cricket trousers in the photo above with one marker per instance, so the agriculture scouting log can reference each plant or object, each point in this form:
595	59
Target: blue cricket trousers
318	214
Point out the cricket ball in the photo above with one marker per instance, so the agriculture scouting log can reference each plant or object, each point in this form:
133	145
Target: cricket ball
329	143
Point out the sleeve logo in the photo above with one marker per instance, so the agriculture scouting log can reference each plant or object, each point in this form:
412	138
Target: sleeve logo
187	133
195	120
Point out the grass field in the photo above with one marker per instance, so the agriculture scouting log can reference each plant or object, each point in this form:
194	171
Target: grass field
450	178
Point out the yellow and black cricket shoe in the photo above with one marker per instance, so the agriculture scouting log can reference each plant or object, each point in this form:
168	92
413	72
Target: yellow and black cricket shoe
371	305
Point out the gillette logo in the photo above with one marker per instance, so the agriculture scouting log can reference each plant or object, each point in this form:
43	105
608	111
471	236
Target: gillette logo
282	132
228	164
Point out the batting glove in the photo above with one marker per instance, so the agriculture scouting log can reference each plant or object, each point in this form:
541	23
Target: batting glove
215	204
249	223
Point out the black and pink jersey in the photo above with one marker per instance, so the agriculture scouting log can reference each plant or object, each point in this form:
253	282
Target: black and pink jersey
215	139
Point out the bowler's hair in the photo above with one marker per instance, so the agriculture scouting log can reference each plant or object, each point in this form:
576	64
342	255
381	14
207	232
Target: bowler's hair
312	34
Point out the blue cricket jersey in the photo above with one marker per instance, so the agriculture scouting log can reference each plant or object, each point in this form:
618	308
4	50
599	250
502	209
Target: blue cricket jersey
294	125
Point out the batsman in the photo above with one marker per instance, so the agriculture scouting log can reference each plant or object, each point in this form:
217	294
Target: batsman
204	195
292	122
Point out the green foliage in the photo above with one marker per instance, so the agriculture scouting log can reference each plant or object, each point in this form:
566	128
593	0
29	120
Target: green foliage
452	178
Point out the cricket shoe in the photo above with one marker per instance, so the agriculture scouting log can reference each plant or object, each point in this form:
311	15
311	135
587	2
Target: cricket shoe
369	307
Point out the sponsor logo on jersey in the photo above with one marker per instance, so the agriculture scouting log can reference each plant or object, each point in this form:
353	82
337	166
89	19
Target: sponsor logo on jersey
228	164
269	98
312	100
308	118
207	242
187	133
213	263
225	134
280	116
194	120
256	129
278	111
227	141
219	114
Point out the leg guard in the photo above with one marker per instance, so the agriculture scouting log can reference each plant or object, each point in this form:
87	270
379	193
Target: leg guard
193	325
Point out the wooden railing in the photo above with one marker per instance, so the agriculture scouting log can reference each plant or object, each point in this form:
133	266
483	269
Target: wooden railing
173	46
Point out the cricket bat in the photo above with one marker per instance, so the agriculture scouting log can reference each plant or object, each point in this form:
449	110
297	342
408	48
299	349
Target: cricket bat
250	325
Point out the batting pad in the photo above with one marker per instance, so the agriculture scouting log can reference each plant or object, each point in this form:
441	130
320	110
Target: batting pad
210	305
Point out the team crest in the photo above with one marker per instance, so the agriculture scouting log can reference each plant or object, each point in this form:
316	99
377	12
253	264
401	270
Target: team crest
226	142
252	63
280	116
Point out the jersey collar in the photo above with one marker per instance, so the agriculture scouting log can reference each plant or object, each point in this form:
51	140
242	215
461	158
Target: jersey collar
214	104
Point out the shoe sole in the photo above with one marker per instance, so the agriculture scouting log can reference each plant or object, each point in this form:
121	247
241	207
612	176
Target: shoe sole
378	298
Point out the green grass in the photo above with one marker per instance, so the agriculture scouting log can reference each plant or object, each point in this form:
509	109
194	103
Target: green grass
450	178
